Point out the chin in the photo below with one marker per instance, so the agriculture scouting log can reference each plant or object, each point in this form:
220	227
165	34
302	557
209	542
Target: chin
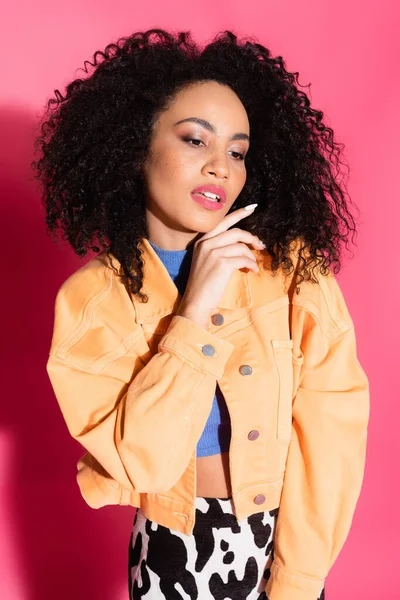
202	227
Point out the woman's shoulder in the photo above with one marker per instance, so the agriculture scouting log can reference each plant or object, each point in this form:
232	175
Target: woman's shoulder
91	305
91	277
322	297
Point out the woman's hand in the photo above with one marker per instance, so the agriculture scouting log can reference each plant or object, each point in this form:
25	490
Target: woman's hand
215	256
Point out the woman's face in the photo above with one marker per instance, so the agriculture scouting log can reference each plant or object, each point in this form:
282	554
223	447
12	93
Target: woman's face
178	163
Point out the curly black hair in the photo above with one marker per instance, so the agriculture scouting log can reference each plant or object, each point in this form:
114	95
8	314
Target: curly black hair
97	136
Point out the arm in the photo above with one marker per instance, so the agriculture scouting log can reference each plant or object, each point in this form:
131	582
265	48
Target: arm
327	451
139	421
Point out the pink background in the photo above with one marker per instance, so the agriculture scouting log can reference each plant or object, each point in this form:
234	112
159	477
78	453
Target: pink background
51	544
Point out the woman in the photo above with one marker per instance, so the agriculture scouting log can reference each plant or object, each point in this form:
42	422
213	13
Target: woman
210	373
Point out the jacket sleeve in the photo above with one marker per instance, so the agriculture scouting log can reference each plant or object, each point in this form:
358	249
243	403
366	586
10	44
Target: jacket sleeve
140	421
327	450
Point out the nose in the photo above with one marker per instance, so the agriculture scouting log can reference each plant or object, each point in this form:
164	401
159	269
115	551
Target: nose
217	164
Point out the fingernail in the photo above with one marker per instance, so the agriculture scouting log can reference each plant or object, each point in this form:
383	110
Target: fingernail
250	206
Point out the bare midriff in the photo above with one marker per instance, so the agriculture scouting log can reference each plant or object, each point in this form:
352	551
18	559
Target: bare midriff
213	477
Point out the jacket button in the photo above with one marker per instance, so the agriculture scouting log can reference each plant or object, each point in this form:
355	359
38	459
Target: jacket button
217	319
260	499
245	370
253	435
208	350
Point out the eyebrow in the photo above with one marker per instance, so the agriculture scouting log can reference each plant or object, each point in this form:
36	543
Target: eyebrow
207	125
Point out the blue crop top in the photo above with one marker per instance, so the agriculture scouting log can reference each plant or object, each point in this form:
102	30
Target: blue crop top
217	431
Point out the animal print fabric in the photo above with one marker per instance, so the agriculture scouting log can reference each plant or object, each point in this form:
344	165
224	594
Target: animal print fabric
224	559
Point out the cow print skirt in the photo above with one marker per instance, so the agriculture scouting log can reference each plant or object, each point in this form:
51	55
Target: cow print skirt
223	558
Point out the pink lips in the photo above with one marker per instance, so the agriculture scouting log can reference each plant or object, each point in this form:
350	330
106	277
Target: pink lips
214	189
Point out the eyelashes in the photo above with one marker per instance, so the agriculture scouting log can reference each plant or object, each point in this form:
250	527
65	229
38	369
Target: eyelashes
190	139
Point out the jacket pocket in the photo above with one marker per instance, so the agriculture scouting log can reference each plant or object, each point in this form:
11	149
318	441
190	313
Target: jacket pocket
288	371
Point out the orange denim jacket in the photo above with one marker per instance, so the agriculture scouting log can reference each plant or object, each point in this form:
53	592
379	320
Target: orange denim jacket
136	390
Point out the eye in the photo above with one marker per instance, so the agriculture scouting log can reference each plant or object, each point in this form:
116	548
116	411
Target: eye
188	139
241	156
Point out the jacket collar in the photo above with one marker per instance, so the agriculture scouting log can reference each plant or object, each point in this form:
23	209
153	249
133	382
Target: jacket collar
164	297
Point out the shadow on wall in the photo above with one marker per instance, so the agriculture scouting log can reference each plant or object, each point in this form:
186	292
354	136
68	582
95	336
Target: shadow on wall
60	547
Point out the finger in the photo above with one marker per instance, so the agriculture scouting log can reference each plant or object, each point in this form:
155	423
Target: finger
235	234
228	221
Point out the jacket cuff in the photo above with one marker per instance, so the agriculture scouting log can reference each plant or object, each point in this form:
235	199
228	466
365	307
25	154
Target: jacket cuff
282	586
186	339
